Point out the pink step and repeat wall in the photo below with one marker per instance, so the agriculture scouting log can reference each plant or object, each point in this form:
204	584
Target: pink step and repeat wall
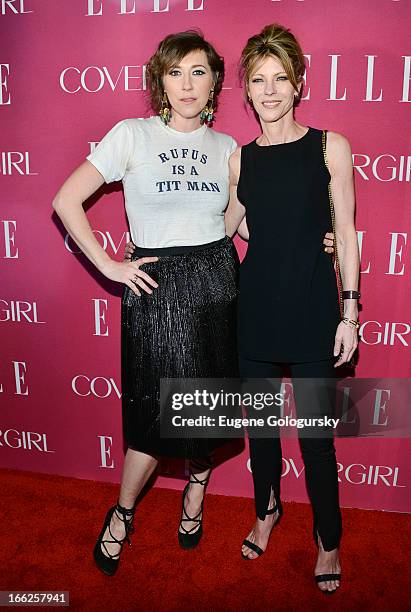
68	72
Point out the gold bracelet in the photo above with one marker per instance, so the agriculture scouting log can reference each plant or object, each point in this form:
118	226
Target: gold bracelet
354	324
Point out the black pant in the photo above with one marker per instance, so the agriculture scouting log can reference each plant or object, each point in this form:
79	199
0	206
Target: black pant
312	399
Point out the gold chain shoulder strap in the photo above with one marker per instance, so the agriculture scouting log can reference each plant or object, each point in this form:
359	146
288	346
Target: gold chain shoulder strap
330	197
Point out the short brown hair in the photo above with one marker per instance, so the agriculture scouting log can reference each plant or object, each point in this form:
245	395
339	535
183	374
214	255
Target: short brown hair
274	40
170	52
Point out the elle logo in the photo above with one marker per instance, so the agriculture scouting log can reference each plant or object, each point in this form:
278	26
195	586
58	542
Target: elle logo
106	443
21	386
130	7
10	249
372	93
100	323
4	92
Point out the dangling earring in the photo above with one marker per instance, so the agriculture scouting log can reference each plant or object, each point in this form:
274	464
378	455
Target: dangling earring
207	114
165	112
250	101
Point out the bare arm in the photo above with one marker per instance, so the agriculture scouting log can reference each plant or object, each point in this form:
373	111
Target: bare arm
68	204
235	212
342	188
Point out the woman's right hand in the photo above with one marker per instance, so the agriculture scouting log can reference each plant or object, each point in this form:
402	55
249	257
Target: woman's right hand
129	250
130	274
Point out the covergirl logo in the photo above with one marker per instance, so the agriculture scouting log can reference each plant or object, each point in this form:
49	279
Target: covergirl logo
374	475
131	7
355	473
95	78
109	243
16	7
384	167
99	386
388	334
18	311
15	162
27	440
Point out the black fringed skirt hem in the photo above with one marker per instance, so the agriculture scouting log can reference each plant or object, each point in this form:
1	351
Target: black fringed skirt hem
185	329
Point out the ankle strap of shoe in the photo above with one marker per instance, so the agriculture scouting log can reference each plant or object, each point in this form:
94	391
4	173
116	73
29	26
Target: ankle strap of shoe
196	480
201	465
125	512
126	515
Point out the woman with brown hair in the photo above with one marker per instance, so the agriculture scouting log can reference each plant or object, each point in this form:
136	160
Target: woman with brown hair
179	300
293	183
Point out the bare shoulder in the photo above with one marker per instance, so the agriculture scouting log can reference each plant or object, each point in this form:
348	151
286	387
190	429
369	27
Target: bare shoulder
234	163
338	144
339	154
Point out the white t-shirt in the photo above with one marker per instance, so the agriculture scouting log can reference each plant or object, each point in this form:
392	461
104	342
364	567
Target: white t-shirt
176	184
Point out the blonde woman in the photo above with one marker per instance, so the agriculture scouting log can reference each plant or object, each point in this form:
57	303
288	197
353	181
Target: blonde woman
289	317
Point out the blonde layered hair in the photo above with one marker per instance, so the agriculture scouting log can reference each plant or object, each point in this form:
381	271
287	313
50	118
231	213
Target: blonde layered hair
275	41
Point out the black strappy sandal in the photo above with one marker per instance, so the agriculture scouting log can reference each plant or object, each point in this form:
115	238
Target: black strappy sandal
324	577
190	538
254	546
105	561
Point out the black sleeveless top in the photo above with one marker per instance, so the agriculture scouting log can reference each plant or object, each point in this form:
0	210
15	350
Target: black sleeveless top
288	299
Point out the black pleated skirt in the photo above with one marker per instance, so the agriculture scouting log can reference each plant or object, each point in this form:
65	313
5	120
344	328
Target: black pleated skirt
185	329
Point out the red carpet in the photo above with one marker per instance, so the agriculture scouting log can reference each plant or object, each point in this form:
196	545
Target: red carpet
49	525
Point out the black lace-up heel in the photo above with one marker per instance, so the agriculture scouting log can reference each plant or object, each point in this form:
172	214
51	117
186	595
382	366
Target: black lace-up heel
189	538
107	562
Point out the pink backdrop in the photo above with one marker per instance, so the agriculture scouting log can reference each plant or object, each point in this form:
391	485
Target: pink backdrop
68	72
